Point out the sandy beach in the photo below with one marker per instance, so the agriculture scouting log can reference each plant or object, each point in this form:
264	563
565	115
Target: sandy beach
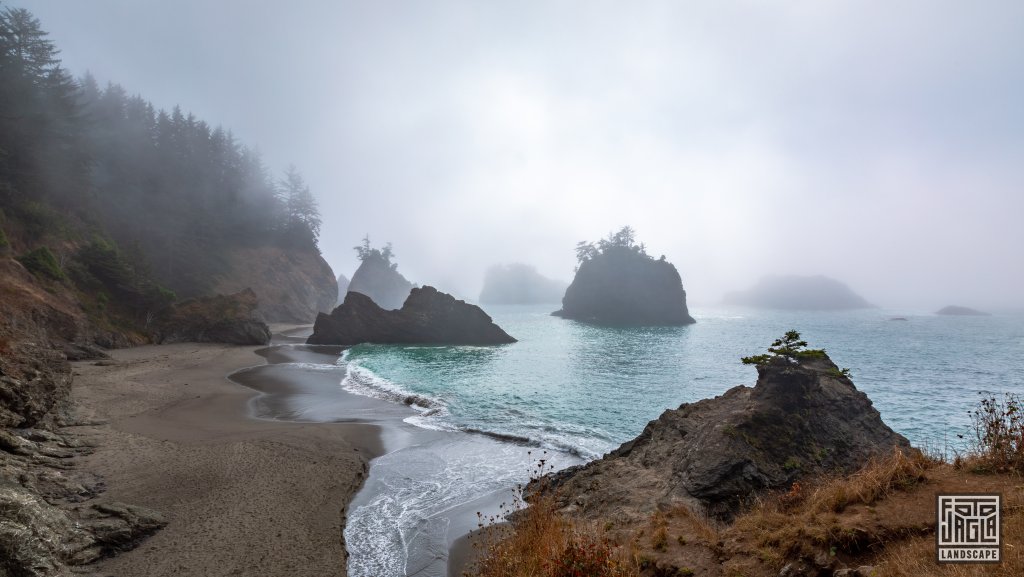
243	496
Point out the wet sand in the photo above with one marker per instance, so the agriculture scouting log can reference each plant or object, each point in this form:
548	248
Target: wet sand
243	496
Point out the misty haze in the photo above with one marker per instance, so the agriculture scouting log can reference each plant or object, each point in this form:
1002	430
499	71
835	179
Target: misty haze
330	288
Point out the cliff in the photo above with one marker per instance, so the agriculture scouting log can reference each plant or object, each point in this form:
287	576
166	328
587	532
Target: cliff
379	279
231	319
519	284
621	286
292	285
802	418
427	317
798	293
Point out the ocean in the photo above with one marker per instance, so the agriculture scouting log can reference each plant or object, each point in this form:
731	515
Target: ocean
568	392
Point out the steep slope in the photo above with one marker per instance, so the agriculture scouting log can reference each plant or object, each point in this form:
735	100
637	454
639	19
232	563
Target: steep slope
292	285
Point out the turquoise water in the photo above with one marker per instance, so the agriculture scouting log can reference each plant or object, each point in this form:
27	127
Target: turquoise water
578	391
584	389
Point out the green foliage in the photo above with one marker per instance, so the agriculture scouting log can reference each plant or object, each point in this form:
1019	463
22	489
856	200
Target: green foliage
790	346
3	240
622	241
999	433
366	252
132	288
41	263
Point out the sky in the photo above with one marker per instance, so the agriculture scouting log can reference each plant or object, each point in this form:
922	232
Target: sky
877	142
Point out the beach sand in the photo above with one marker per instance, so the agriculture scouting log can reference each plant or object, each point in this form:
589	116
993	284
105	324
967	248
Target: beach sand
242	496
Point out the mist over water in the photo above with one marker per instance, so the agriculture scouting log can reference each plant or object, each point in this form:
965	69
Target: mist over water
578	391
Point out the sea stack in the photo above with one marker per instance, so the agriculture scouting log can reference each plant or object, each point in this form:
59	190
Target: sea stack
793	292
378	277
428	317
959	311
618	283
343	283
519	284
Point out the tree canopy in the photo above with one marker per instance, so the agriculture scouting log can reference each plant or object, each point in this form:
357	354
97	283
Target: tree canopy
623	240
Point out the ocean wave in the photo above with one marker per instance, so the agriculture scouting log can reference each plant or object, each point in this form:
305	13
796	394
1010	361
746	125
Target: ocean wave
363	381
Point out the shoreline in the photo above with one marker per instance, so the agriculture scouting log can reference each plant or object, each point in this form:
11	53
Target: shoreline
243	496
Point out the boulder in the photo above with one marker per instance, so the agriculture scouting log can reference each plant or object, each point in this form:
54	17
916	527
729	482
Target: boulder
228	319
427	317
803	417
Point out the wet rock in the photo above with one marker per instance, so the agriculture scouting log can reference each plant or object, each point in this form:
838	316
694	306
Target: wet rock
427	317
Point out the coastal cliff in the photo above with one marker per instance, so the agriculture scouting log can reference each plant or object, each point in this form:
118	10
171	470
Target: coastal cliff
292	285
427	317
618	283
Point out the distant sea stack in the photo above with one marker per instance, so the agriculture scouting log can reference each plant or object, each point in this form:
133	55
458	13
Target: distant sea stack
342	288
803	417
378	278
428	317
618	283
519	284
813	293
954	310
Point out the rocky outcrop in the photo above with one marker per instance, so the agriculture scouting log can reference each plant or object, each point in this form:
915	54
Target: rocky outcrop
292	285
798	293
342	287
519	284
427	317
954	310
378	278
622	286
804	417
231	319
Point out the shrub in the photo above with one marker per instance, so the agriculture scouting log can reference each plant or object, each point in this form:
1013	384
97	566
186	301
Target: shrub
999	433
41	263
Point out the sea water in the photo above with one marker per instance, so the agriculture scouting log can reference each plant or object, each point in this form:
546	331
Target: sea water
577	391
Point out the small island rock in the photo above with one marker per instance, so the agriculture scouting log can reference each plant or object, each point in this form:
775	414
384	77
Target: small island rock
519	284
428	317
793	292
954	310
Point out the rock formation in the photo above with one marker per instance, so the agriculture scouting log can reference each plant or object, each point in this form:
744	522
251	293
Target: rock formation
427	317
618	283
342	288
798	293
954	310
378	278
292	285
231	319
519	284
803	417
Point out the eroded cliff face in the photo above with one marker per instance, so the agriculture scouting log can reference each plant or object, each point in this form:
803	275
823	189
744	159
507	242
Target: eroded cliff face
803	417
292	285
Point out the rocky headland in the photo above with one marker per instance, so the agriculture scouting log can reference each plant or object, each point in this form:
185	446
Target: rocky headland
618	283
427	317
519	284
802	418
292	285
959	311
793	292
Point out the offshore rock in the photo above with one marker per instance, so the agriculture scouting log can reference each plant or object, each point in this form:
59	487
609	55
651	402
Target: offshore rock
231	319
625	287
378	278
427	317
954	310
519	284
792	292
802	418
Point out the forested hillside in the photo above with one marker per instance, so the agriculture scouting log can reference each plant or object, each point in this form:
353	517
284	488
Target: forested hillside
126	204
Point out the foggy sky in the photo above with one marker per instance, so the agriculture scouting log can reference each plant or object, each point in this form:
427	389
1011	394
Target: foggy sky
881	143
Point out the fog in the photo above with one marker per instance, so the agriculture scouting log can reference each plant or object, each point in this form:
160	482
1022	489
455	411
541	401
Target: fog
880	143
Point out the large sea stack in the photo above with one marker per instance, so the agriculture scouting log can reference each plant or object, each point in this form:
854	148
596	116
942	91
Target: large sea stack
803	417
618	283
519	284
428	317
378	278
792	292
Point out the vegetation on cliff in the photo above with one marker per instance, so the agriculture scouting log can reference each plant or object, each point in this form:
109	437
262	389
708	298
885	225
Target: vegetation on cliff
377	276
618	283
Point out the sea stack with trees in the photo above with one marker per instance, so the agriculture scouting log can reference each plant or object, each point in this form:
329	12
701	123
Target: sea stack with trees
377	276
618	283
